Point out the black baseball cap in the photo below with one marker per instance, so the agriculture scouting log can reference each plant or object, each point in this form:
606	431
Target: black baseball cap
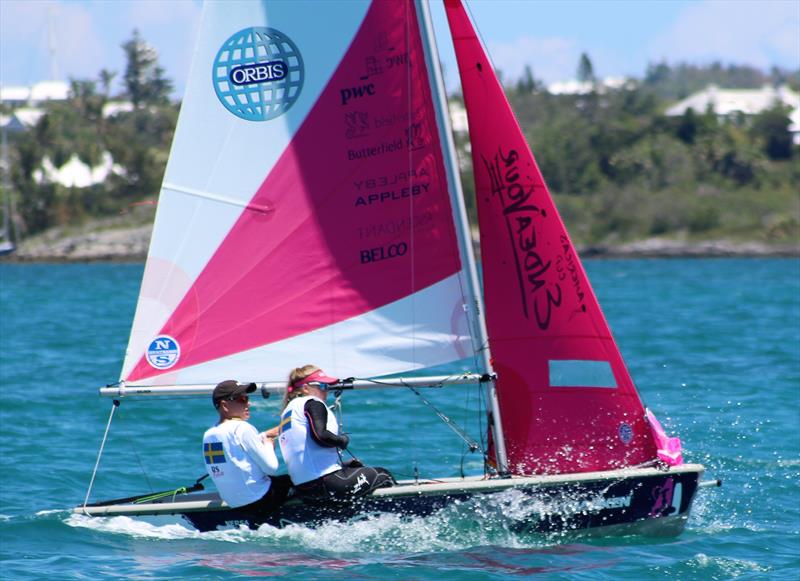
230	389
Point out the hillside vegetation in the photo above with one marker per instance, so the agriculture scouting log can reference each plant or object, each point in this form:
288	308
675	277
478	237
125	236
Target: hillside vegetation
619	168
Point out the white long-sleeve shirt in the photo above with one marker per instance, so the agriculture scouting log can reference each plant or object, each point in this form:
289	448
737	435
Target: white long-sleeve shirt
238	461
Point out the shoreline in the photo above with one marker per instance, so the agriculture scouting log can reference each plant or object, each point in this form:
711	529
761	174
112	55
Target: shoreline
131	244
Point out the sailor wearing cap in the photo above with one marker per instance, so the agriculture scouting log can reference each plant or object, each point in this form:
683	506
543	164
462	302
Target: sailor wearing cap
241	462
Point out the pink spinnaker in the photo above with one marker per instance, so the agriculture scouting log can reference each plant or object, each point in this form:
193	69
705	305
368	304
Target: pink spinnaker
344	223
541	313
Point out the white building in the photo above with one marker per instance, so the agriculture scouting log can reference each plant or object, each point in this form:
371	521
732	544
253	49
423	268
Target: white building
574	87
75	173
727	102
458	116
19	96
21	119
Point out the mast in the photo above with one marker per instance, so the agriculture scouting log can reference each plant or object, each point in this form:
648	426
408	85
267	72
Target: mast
462	228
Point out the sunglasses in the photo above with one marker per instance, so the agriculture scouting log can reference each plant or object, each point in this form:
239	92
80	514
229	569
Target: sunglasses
319	384
239	398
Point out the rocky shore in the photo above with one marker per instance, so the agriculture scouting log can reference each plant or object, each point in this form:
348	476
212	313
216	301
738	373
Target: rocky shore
129	244
123	245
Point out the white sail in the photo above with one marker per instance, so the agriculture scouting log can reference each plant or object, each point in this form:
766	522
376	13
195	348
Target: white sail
305	213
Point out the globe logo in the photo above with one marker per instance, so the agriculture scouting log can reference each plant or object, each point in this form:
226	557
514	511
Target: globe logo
258	74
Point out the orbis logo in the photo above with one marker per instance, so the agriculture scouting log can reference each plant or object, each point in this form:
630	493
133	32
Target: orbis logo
258	74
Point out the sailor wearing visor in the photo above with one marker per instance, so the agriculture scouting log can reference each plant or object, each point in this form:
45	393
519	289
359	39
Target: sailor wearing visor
310	443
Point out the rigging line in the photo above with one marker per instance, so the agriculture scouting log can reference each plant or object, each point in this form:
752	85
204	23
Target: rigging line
473	445
114	407
418	479
141	467
338	411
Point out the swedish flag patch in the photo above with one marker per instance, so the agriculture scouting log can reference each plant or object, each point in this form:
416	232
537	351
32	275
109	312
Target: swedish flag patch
286	422
213	453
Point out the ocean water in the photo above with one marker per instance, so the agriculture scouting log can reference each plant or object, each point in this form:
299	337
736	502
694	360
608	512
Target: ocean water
714	346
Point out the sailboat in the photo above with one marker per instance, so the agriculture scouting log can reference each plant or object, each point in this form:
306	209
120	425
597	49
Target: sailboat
312	209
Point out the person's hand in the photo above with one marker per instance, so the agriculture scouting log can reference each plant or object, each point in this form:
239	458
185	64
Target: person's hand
272	432
267	439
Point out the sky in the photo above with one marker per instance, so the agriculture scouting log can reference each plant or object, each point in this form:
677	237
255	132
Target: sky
42	39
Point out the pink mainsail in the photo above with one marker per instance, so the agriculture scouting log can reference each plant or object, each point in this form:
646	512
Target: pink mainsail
567	401
353	216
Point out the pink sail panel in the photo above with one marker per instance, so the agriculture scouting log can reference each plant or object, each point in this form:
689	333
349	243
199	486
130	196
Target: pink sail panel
567	401
353	216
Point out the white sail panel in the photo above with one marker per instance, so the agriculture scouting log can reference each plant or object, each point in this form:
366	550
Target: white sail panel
380	342
281	217
215	153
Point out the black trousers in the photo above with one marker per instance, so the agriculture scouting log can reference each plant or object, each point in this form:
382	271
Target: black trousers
350	482
274	498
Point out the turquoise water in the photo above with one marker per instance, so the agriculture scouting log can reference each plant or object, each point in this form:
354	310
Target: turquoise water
714	346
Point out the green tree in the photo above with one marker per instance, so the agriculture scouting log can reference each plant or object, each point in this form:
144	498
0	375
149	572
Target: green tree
585	69
687	128
84	98
526	83
771	127
106	78
144	78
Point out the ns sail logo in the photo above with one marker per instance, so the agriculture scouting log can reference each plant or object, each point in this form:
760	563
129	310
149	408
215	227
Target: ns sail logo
163	352
258	74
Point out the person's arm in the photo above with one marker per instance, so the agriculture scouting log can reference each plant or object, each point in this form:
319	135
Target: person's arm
261	454
317	415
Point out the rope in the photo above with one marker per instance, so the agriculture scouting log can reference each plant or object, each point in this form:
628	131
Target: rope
173	493
338	410
100	453
141	467
472	444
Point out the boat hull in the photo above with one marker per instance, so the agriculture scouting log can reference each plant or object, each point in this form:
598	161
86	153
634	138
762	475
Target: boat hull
635	501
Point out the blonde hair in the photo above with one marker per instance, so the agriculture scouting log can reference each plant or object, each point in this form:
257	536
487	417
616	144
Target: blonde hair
296	375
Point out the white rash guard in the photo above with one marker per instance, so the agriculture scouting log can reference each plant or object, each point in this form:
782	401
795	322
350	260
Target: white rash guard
305	459
238	461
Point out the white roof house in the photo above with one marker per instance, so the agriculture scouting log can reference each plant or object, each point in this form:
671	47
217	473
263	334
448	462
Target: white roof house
724	102
113	108
574	87
458	117
14	96
49	91
18	96
21	119
75	173
727	101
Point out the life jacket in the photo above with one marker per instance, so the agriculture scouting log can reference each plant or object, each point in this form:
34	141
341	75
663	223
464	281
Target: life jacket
305	459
